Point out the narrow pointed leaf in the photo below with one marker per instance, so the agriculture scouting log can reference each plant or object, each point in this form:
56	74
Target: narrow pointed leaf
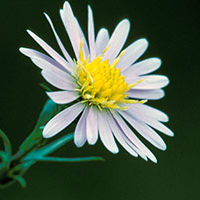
49	110
6	142
20	180
59	159
45	87
50	147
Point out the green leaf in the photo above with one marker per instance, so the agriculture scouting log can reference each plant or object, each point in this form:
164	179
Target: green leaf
20	180
59	159
6	142
35	138
49	110
50	147
39	155
5	163
5	159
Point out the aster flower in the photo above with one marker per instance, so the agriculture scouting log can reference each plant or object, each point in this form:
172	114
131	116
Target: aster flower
104	85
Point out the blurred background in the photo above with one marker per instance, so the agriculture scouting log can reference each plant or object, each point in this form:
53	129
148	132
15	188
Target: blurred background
173	31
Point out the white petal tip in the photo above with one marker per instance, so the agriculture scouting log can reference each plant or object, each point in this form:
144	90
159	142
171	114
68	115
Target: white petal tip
144	41
28	31
46	135
24	51
91	142
127	22
66	4
46	15
164	147
89	8
21	49
154	160
78	144
115	151
170	133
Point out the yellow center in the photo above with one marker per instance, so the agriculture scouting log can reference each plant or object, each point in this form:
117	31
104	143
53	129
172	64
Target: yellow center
101	83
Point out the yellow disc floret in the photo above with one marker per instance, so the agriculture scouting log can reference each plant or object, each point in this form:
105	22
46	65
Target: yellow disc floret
101	83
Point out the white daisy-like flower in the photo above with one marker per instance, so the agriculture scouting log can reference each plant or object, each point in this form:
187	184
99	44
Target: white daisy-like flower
105	86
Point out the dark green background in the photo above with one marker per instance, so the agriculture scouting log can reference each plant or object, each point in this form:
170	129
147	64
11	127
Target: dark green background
173	31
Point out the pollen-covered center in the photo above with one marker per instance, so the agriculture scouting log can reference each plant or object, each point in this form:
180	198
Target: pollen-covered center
101	83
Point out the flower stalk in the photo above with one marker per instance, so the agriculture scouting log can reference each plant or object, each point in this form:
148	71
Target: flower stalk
33	149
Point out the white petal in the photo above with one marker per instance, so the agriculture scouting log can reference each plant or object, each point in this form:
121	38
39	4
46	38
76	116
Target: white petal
102	40
54	75
144	130
143	67
146	94
151	121
132	53
63	97
92	126
62	120
119	135
132	137
117	40
82	36
145	110
59	80
91	33
149	82
64	51
50	51
80	130
71	27
159	126
36	54
106	134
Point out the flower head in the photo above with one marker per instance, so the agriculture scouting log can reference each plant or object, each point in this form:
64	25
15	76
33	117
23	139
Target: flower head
108	89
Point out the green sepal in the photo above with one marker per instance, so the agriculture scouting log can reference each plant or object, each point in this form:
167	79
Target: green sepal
45	87
35	138
6	142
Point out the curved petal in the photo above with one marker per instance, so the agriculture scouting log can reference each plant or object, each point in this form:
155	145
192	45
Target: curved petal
50	51
92	126
146	94
117	40
151	121
144	130
119	135
149	82
102	40
62	120
148	111
82	36
80	130
91	33
64	51
54	75
143	67
38	55
132	137
71	27
63	97
132	53
160	127
59	80
106	134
